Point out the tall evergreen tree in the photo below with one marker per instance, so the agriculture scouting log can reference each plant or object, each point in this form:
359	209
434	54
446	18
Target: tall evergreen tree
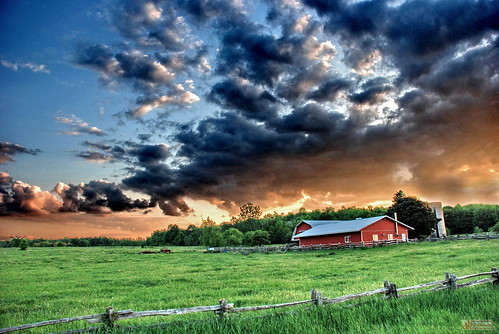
413	212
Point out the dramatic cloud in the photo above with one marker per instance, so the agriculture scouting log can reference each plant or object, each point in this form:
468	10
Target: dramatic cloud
99	197
21	198
323	102
8	150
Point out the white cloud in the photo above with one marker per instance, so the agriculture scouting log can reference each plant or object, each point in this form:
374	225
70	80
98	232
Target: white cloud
78	126
30	66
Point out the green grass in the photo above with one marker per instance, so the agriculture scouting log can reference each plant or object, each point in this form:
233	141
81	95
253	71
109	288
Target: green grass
441	312
51	283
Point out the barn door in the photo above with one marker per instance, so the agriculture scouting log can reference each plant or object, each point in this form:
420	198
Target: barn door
404	237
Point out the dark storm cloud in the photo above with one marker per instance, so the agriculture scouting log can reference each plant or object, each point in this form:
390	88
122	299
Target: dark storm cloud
371	92
325	6
415	34
128	151
312	119
148	155
256	56
236	95
143	71
301	117
469	74
230	151
159	182
303	82
183	62
150	24
8	150
19	198
96	197
329	90
203	10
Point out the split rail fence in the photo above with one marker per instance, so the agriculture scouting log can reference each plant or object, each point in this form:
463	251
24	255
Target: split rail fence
224	308
485	236
287	248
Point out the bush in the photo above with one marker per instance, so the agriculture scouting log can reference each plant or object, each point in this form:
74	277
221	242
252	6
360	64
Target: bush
232	237
256	238
23	244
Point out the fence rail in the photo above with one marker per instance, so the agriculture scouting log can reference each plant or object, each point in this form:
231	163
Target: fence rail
109	317
486	236
288	248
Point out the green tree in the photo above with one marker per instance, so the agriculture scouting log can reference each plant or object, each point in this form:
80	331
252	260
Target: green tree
23	244
192	236
459	219
232	237
157	238
174	236
279	233
211	235
249	211
413	212
256	238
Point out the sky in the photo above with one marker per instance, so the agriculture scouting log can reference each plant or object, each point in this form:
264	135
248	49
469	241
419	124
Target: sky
118	118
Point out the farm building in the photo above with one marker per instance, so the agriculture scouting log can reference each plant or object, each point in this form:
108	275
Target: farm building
368	230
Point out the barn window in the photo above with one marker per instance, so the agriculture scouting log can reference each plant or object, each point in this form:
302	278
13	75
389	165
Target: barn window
375	237
390	236
347	239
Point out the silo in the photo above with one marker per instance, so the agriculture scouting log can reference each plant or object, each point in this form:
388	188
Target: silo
439	213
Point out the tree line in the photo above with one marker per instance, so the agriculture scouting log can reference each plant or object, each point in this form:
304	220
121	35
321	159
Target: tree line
22	242
472	218
250	228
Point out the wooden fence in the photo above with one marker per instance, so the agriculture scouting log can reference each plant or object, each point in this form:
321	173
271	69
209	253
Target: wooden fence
224	308
288	248
485	236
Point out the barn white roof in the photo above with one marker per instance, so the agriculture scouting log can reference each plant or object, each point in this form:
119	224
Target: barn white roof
325	227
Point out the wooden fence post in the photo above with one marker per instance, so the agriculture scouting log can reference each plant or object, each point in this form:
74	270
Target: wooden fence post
318	301
224	309
316	296
495	276
391	290
313	294
387	286
108	318
453	282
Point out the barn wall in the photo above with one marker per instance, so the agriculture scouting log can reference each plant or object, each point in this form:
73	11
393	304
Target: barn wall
382	228
330	239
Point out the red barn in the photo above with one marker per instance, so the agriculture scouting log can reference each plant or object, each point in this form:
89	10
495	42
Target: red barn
316	232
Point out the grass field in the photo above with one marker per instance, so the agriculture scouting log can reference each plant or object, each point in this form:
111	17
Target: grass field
51	283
